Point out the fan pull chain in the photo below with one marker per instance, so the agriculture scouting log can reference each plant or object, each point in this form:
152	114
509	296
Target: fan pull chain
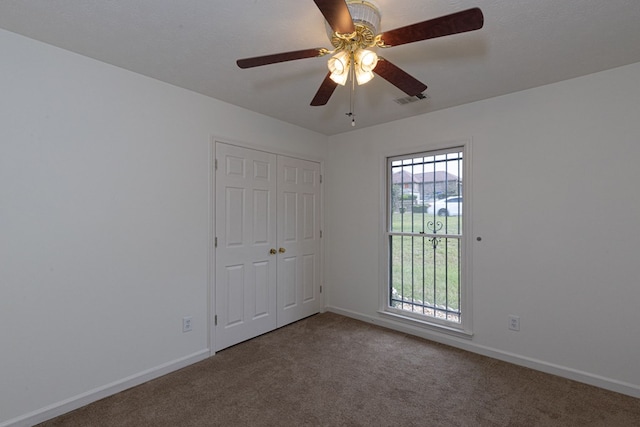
352	93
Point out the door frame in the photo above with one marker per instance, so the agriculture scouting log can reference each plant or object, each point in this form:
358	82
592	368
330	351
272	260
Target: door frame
211	257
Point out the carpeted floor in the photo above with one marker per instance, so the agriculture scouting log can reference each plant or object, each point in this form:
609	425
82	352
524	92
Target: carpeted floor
329	370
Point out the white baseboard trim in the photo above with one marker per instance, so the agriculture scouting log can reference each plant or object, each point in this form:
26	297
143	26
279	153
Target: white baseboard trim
98	393
629	389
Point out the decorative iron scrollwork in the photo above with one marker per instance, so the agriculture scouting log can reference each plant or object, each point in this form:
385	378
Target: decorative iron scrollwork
434	226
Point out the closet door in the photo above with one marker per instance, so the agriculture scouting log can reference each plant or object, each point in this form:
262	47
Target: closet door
245	224
298	239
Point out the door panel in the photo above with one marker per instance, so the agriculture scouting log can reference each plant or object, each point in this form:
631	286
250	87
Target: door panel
299	236
234	201
235	294
308	277
261	205
290	217
309	219
245	275
261	298
287	281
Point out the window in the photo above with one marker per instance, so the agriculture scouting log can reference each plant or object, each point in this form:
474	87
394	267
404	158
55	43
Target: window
425	237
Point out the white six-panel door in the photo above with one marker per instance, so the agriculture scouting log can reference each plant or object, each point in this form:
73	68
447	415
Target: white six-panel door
267	227
245	270
298	239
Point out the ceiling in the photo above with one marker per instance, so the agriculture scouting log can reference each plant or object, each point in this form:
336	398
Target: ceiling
194	44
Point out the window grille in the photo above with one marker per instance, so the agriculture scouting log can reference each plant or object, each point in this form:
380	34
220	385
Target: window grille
425	235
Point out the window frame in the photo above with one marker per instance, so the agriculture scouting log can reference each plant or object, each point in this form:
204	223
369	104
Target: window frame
464	328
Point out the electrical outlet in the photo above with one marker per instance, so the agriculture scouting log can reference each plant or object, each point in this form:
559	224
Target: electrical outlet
186	324
514	323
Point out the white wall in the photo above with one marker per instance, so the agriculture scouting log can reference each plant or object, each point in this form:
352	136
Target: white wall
104	222
556	202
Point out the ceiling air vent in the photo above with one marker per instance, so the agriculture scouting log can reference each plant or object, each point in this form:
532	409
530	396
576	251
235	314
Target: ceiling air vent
410	99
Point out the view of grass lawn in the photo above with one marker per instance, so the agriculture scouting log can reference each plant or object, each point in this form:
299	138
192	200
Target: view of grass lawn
421	274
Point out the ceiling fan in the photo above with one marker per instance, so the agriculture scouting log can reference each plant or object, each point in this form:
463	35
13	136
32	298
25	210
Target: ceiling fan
354	30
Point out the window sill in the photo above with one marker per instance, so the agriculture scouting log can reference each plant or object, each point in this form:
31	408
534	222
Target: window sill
425	324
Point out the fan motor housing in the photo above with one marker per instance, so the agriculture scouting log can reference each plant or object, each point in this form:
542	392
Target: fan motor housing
366	19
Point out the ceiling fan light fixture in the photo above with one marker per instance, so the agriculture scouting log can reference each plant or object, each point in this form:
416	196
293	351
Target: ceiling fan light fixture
341	79
339	67
365	62
353	28
363	77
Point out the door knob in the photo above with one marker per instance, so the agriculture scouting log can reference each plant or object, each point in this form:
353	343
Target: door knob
273	251
282	250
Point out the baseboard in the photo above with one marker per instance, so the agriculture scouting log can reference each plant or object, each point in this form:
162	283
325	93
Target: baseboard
539	365
91	396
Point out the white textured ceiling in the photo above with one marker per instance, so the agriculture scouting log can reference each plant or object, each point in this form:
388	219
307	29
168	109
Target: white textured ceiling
194	44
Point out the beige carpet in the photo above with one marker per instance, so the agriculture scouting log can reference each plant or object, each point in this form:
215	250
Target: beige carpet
329	370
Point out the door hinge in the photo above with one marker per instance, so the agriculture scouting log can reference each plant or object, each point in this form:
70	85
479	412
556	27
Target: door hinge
215	243
216	164
320	288
320	179
321	234
215	320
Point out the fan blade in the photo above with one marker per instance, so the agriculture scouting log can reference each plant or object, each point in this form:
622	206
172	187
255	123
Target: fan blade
399	78
324	92
280	57
337	15
460	22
